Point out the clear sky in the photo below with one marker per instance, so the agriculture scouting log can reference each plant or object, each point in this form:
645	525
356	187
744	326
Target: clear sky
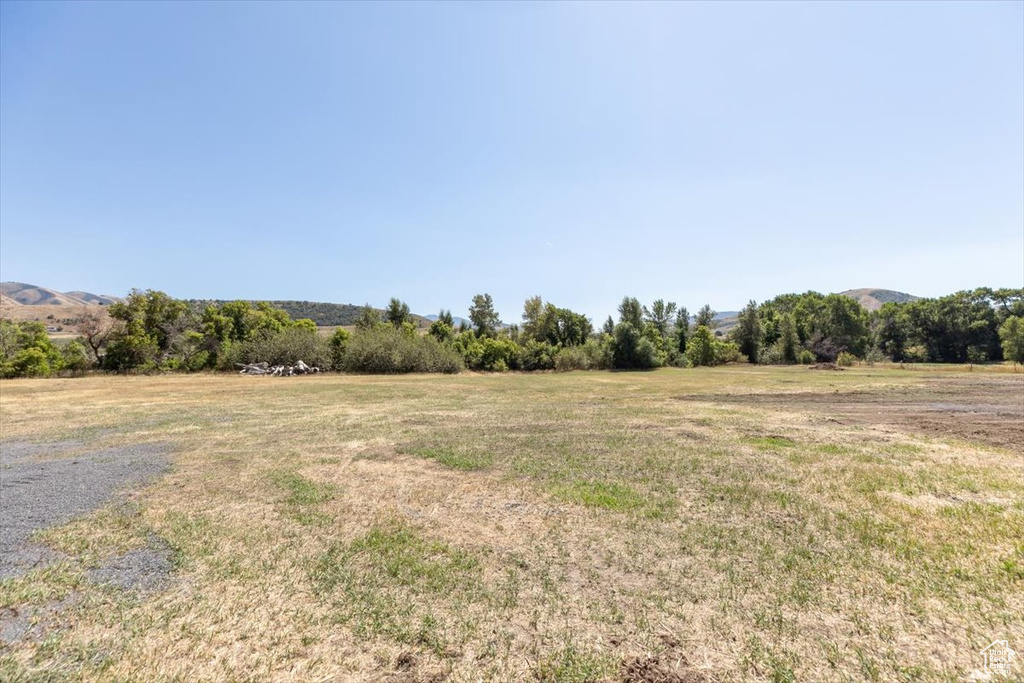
581	151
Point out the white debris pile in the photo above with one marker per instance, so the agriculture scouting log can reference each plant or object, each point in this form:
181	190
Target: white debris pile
264	368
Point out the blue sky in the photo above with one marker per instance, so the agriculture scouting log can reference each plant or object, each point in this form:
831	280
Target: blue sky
581	151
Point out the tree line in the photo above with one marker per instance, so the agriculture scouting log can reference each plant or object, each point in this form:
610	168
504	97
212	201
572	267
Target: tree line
151	331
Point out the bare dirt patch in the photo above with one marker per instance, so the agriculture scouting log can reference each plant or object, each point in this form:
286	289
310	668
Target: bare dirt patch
988	411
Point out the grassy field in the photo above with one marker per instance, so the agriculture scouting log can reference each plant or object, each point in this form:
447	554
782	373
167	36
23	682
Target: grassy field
733	524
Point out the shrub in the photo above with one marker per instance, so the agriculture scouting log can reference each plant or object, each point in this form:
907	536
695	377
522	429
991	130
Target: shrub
700	350
805	357
26	350
773	355
339	344
573	358
286	347
632	350
535	355
31	362
845	359
728	352
75	357
498	354
385	350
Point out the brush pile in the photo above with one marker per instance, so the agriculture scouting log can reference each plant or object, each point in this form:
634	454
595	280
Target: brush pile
264	368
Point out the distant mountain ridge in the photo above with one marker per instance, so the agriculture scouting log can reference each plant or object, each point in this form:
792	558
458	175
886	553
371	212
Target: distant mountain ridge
455	319
24	294
330	314
322	313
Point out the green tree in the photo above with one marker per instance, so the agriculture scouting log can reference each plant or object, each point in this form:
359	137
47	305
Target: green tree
441	331
748	332
700	350
397	313
892	330
609	326
1011	336
483	316
533	314
705	317
339	344
369	318
660	316
149	324
26	350
788	339
681	329
631	350
630	311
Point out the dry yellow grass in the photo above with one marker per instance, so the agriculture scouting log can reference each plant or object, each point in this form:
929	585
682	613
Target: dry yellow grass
587	526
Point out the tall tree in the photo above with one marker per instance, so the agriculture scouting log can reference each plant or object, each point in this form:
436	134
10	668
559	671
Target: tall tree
1011	334
443	328
609	326
397	313
369	317
788	338
483	316
748	332
660	315
533	310
705	317
682	328
630	311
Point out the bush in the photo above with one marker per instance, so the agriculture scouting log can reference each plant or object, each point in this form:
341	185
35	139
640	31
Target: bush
75	357
700	350
535	355
26	350
773	355
286	347
632	350
805	357
498	354
385	350
573	358
845	359
728	352
31	362
339	344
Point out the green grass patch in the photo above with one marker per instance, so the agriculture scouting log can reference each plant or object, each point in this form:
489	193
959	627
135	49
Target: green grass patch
304	494
597	494
394	583
465	461
771	443
38	586
575	664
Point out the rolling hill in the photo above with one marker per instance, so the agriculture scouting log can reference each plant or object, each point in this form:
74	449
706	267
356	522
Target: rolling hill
322	313
32	295
872	299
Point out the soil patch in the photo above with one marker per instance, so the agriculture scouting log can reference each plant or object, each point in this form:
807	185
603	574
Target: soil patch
39	489
989	412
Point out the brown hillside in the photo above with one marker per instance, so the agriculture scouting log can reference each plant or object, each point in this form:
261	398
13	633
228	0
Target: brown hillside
872	299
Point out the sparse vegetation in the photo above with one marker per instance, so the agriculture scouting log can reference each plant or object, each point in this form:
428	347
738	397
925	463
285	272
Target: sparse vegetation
745	524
